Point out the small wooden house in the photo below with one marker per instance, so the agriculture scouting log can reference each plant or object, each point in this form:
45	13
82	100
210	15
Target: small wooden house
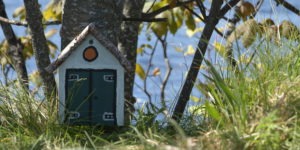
91	80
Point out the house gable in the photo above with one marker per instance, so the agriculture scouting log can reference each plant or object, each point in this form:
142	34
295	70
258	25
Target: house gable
104	60
78	41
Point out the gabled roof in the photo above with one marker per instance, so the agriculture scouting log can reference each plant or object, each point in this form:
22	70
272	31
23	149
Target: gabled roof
71	47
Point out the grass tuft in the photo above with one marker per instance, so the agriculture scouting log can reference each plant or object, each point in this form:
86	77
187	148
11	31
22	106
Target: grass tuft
255	106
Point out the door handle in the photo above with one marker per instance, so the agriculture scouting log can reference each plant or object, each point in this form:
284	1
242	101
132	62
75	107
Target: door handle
109	78
73	115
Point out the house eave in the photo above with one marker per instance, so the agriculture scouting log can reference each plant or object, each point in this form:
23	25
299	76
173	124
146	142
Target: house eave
69	49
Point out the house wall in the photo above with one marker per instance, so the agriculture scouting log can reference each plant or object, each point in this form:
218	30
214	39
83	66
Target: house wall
105	60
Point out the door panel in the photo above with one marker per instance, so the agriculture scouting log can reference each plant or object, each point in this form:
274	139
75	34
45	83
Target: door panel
77	92
91	97
103	99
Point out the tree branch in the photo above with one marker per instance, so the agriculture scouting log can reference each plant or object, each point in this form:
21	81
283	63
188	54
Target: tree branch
24	23
40	47
167	73
202	8
227	7
258	6
15	49
188	85
288	6
145	19
203	19
156	12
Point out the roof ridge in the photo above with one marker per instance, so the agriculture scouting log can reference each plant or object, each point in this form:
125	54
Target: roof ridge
89	29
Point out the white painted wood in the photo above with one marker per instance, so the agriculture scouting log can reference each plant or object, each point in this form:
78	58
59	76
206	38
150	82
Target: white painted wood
105	60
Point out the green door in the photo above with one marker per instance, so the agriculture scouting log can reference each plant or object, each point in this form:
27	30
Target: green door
91	97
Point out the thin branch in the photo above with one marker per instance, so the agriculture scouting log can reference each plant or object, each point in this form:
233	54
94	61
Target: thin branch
168	71
14	22
288	6
202	8
228	19
165	8
151	6
258	6
227	7
25	24
204	20
147	72
145	19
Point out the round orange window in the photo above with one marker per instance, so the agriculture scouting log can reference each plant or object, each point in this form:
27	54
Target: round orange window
90	53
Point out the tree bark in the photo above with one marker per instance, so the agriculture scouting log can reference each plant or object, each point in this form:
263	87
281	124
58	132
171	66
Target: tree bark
77	14
214	16
288	6
188	85
15	49
39	44
128	40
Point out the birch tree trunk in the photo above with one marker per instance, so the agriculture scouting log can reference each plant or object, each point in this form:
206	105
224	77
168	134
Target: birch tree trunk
39	44
15	49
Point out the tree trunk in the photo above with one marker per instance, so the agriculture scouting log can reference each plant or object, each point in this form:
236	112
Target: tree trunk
77	14
39	44
127	45
15	49
188	85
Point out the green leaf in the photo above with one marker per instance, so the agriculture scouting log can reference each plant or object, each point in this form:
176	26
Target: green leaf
27	50
19	12
53	10
212	111
190	51
191	33
179	16
36	79
172	23
221	85
50	33
140	71
159	5
195	99
159	28
190	21
178	49
220	48
52	47
197	110
141	49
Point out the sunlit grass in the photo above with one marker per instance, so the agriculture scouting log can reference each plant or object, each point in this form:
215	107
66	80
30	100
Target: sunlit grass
256	107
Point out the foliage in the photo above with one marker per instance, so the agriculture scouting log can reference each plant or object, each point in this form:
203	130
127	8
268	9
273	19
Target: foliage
51	12
250	30
258	107
253	106
175	18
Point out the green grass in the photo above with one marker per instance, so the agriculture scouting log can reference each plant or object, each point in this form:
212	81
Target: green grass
256	107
